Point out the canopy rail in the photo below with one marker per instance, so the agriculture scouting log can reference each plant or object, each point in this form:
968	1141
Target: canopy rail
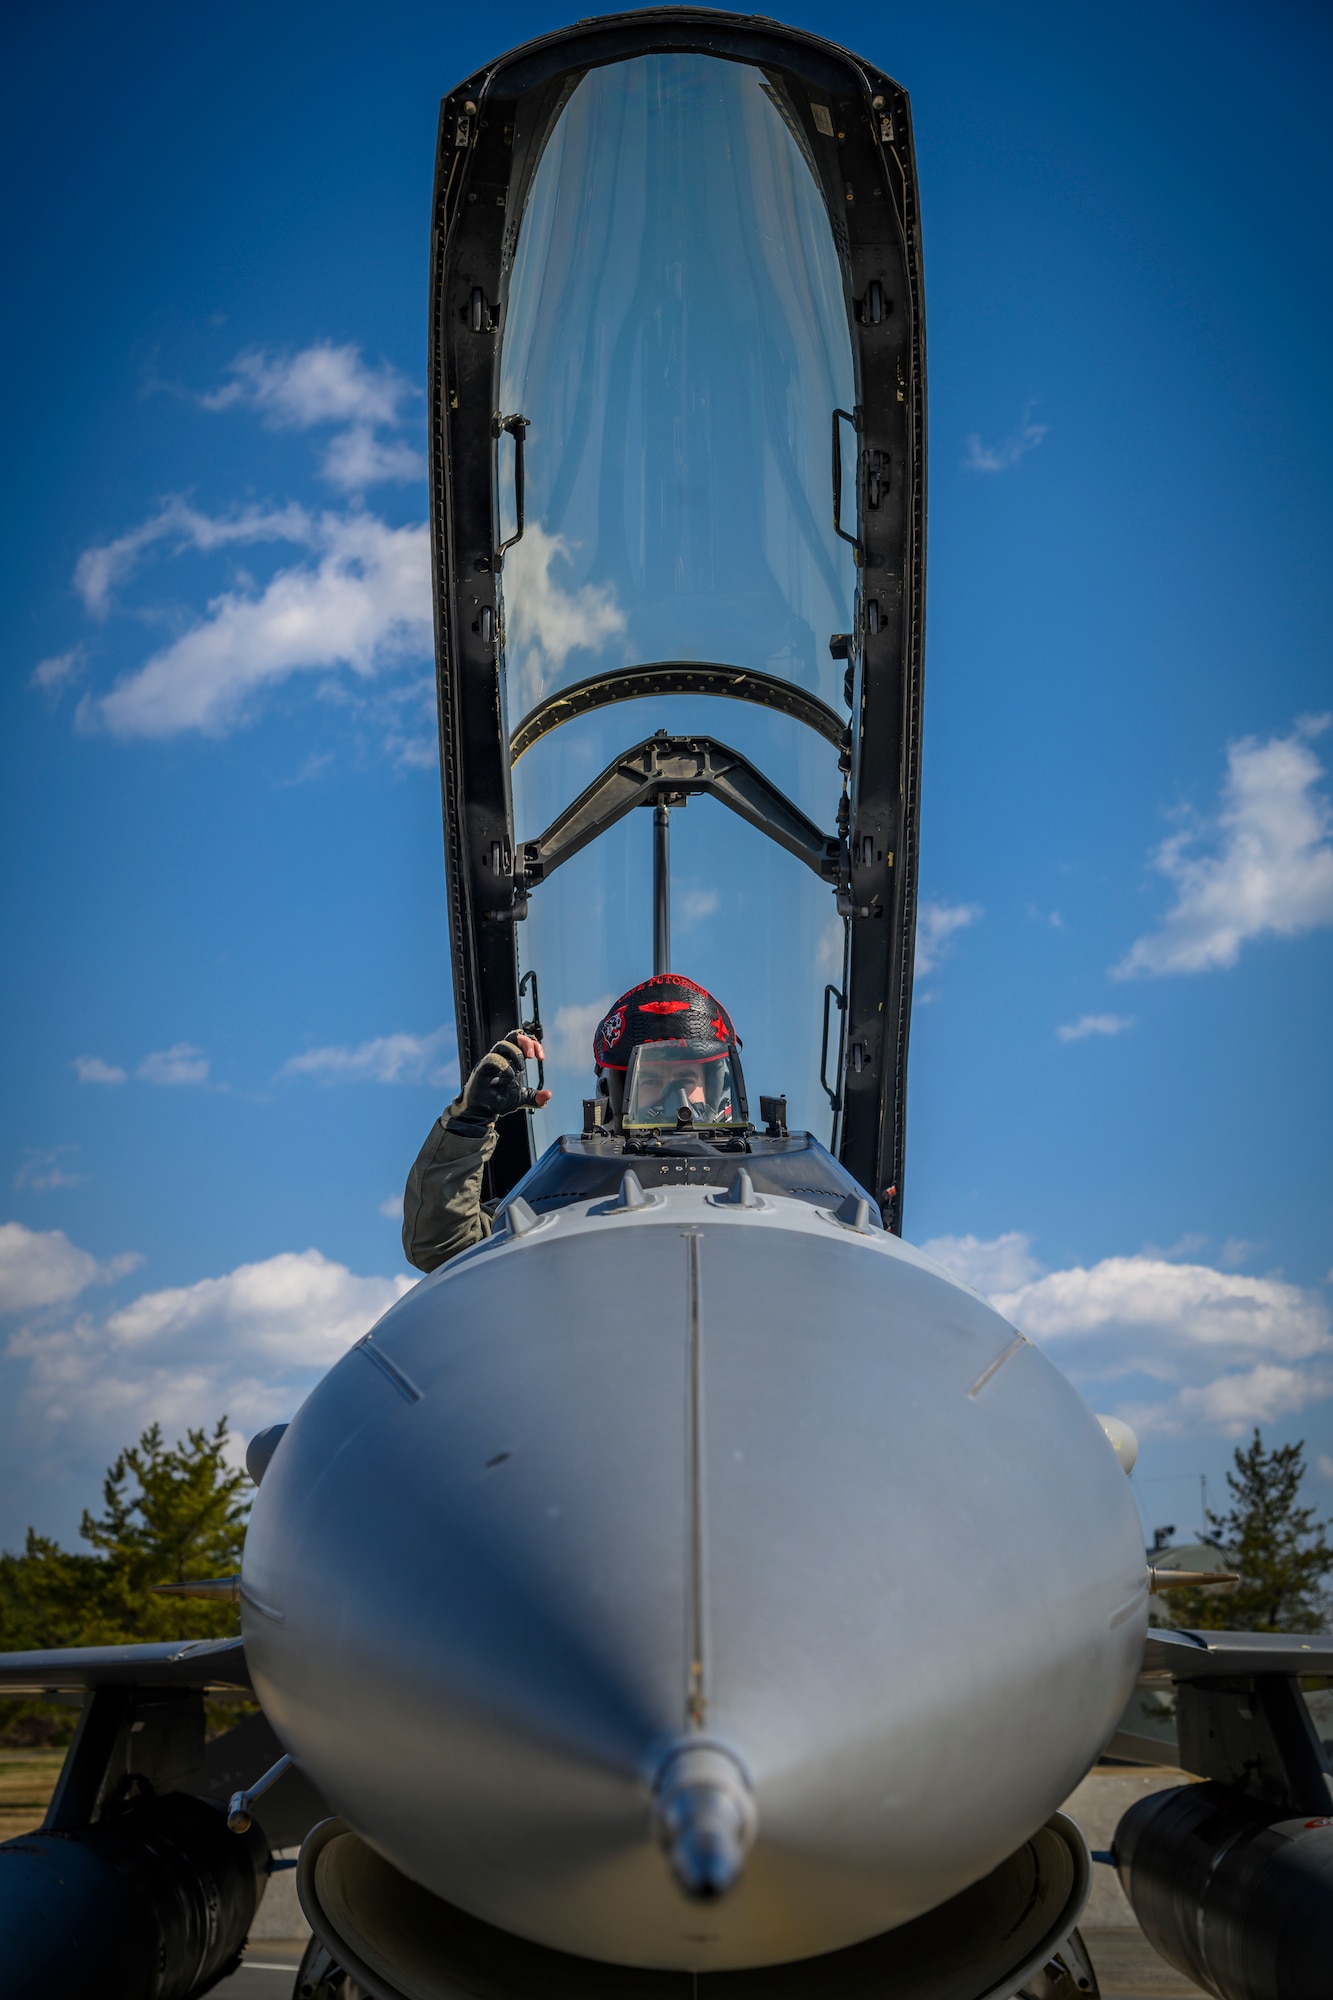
661	677
665	770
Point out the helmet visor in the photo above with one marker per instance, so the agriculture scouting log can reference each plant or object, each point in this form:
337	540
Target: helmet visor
666	1078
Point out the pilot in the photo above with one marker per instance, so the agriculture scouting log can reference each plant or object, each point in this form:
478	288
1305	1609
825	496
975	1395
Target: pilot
667	1009
443	1211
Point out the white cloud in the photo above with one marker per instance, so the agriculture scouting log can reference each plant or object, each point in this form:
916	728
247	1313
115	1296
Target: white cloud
1326	1465
325	384
691	906
1002	457
544	623
358	599
1095	1024
251	1343
832	944
400	1058
1228	1350
365	603
569	1045
92	1069
1221	1351
181	1063
935	925
357	459
53	676
100	570
42	1171
41	1267
997	1264
1233	1403
1269	867
321	384
413	753
404	711
293	1309
1152	1303
392	1206
1184	1246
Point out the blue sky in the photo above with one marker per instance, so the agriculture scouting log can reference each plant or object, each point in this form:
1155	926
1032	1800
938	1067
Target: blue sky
226	997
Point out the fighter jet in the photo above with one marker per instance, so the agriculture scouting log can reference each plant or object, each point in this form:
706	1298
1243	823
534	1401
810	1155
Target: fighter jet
690	1586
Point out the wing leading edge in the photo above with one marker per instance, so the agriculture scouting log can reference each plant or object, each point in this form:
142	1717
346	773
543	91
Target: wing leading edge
213	1665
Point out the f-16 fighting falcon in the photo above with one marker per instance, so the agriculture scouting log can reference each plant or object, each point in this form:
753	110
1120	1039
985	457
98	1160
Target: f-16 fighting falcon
688	1587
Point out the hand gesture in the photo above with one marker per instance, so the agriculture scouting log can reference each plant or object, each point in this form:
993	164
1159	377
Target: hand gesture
498	1085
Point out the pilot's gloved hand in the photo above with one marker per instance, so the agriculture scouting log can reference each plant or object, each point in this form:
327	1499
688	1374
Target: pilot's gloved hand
497	1085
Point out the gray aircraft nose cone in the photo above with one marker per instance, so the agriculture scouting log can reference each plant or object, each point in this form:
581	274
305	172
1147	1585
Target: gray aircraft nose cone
599	1589
705	1818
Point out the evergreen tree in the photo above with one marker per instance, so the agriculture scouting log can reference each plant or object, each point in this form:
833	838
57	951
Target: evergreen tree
184	1516
169	1514
1279	1548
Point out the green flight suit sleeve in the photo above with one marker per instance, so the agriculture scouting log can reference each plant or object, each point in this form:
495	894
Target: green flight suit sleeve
443	1212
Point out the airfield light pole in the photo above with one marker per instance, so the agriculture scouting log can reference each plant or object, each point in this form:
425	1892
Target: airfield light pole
661	888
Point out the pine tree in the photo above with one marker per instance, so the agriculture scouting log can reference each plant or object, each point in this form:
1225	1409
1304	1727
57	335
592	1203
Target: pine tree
51	1596
169	1514
184	1516
1279	1548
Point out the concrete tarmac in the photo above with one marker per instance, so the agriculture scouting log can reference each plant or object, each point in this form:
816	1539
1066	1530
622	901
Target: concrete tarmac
269	1972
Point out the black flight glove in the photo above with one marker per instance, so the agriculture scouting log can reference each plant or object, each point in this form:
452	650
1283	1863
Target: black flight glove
498	1084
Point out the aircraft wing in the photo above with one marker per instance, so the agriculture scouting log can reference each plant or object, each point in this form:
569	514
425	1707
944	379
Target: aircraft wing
1149	1730
1196	1656
220	1663
125	1684
212	1664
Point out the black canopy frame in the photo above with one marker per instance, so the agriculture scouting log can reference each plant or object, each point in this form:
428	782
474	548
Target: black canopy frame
493	128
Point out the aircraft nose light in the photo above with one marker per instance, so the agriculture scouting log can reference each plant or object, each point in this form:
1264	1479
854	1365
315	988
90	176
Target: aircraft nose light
704	1816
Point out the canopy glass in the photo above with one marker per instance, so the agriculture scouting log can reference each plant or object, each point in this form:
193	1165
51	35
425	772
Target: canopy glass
676	336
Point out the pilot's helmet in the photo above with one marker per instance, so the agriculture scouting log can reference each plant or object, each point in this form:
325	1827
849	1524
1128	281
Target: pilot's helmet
665	1008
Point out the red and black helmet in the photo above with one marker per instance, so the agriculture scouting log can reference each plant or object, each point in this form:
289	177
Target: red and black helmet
666	1008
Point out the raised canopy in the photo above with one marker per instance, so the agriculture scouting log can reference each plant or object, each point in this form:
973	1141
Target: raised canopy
677	379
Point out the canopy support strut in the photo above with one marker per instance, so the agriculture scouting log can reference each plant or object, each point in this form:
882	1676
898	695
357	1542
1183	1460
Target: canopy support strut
661	888
663	771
